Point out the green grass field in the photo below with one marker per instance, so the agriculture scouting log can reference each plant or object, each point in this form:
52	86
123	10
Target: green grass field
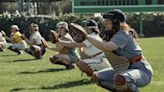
23	74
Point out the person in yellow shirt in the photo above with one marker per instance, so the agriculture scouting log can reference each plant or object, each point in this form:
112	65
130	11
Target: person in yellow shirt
17	42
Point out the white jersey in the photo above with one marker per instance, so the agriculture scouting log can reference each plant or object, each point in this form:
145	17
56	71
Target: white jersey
97	60
36	36
90	49
3	41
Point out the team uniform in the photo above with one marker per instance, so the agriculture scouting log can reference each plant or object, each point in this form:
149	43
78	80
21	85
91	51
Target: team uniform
3	42
139	72
17	41
36	36
72	52
97	59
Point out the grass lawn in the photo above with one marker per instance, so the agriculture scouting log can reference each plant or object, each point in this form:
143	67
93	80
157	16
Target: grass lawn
24	74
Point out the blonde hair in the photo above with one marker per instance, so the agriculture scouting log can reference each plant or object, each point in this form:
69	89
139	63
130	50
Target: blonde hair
124	26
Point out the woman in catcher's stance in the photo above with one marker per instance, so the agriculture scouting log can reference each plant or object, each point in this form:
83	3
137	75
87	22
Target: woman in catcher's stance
95	59
139	72
17	42
3	42
37	48
66	56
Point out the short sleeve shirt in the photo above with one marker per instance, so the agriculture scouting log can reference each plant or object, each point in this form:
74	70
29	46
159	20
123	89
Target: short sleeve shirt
36	37
90	49
17	37
127	47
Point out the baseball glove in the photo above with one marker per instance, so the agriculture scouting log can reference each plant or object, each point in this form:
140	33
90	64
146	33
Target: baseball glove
77	32
53	36
119	63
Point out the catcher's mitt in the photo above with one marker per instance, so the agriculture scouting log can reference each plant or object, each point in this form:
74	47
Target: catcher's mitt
119	63
77	32
53	36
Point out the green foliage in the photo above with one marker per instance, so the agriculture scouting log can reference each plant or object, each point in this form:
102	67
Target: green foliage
24	74
153	24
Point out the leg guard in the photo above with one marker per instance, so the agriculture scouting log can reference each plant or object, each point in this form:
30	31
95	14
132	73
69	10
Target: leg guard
85	68
120	84
36	52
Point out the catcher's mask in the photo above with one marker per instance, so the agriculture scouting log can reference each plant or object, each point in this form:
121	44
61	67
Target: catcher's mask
116	16
34	27
63	25
91	24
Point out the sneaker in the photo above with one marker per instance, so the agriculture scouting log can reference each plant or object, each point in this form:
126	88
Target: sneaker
20	53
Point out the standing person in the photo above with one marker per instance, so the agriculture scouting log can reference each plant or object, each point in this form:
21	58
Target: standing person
95	59
66	56
35	42
17	42
3	43
139	72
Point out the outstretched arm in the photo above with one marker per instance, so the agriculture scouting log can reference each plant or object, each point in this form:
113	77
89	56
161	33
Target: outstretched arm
32	42
104	46
71	44
58	47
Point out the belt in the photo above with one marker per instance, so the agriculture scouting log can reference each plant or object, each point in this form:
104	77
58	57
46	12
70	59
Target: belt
95	55
136	59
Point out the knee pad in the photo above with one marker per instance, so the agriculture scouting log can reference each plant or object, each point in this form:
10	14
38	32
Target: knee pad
36	52
95	78
120	84
85	68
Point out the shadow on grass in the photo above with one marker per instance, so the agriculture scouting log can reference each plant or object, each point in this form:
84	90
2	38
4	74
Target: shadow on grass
59	86
69	84
43	71
8	55
23	60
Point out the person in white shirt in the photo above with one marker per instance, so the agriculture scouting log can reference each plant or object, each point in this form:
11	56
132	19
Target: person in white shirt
66	55
35	41
3	43
96	59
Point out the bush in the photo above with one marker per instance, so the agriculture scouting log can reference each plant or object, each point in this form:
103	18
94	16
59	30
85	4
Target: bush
153	24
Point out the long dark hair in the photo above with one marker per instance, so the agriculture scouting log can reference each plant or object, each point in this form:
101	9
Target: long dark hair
124	26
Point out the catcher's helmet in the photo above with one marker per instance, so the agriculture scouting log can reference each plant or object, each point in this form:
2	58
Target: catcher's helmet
92	24
116	16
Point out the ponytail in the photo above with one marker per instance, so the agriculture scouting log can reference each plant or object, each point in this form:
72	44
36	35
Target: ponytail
126	27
